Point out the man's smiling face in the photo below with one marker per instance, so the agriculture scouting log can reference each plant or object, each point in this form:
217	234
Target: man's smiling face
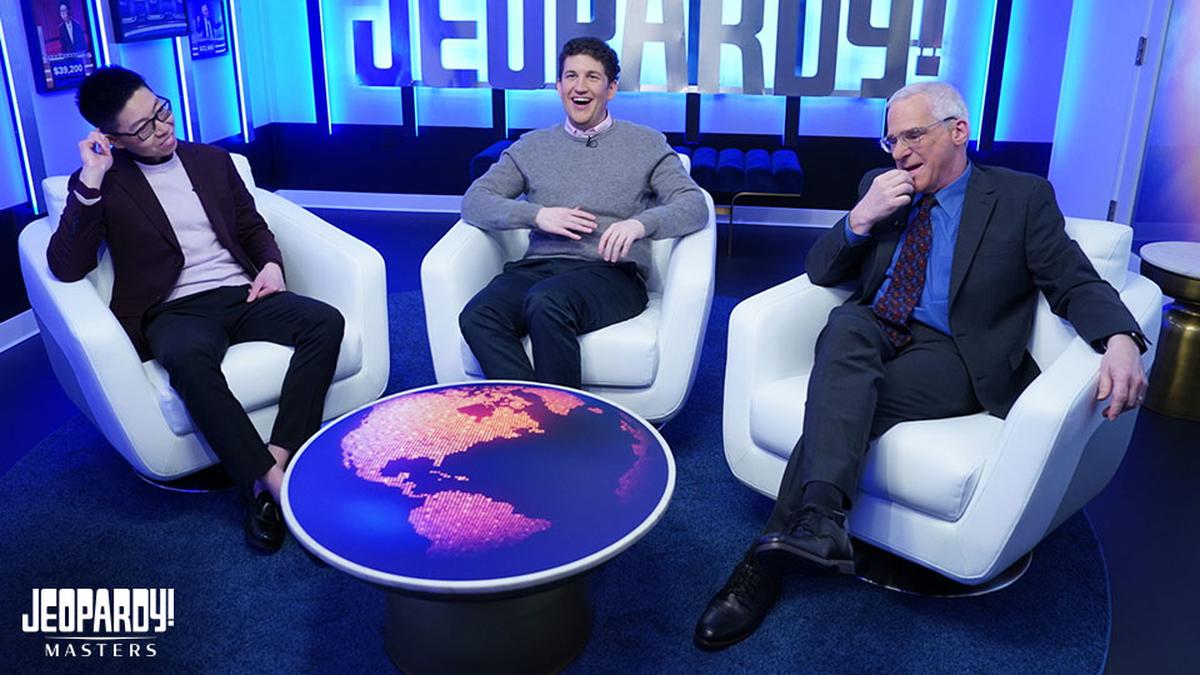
585	91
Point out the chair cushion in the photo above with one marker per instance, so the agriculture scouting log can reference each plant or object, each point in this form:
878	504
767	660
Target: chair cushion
255	373
621	355
931	466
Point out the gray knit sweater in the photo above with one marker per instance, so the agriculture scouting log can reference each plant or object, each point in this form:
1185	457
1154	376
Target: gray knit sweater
630	173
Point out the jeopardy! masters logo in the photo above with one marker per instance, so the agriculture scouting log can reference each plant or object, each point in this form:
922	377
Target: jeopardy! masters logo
100	622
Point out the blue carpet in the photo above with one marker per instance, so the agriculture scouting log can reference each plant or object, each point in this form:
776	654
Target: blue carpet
76	516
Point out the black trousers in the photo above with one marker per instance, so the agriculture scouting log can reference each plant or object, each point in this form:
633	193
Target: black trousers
189	336
860	387
553	300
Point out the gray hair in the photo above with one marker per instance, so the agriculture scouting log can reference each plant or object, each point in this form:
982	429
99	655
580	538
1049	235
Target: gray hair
944	99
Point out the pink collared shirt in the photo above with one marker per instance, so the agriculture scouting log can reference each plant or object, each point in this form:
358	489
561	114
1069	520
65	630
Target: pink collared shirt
603	126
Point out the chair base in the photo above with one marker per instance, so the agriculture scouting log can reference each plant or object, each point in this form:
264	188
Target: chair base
880	568
210	479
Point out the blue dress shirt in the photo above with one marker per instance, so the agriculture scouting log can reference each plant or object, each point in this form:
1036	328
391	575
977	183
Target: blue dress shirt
933	309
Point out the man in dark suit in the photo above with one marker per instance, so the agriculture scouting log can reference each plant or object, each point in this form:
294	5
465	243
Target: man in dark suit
195	270
71	36
947	258
204	23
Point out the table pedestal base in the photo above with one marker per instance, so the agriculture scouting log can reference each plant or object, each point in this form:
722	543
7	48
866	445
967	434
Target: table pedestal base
1174	388
881	568
538	631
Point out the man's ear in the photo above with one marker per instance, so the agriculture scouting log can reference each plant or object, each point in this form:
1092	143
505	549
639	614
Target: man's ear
962	131
612	89
116	141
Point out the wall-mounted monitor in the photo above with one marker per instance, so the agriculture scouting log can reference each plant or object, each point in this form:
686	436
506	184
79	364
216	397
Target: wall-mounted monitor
135	20
209	28
59	33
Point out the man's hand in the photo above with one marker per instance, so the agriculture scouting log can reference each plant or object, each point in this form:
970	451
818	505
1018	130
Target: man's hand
616	240
1122	376
268	281
888	192
564	222
96	158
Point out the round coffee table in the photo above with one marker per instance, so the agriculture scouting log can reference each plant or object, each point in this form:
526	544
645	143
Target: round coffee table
1174	388
480	507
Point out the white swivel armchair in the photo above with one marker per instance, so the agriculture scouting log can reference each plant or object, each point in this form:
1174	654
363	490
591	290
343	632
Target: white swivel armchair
647	363
966	497
132	402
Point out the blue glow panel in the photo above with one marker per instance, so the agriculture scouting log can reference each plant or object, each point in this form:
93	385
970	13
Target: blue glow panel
659	110
453	107
1033	69
287	60
216	98
478	481
533	108
12	180
735	114
350	102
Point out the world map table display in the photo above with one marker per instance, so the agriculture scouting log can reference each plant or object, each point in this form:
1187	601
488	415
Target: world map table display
480	489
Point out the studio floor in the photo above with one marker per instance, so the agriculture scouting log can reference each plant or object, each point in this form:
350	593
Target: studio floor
1146	520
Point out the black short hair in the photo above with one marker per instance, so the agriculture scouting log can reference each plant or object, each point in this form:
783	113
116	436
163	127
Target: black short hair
103	94
595	48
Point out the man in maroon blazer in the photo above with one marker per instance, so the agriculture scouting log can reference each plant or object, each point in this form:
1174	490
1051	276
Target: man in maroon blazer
195	270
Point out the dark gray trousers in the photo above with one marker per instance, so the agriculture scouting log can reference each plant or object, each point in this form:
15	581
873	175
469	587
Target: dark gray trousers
861	386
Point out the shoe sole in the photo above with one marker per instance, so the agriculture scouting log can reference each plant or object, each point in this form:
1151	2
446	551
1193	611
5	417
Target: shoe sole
782	559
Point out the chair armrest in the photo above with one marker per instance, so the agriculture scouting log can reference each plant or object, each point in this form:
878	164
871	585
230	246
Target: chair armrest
687	295
458	266
1050	427
95	362
323	262
772	335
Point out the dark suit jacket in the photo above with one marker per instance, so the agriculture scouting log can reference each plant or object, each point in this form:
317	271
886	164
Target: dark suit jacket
66	44
145	253
1011	243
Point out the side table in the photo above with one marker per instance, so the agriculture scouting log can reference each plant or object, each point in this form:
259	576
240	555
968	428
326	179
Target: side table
1175	379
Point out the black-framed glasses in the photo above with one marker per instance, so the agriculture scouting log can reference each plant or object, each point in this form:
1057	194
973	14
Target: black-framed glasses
910	137
146	129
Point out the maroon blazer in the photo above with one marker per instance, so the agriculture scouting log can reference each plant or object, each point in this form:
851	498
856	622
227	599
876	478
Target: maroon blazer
145	253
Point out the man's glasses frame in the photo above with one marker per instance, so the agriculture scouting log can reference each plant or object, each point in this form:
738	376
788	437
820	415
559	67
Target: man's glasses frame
146	129
910	137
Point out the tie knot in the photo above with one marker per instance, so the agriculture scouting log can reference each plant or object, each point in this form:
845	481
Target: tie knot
927	202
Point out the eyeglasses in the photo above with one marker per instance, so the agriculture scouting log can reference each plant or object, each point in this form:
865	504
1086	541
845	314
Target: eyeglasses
909	137
146	129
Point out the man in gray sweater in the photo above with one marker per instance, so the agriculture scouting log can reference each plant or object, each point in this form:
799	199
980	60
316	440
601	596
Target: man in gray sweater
595	190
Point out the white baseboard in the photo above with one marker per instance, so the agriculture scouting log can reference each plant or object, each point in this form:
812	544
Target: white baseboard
18	329
373	201
412	203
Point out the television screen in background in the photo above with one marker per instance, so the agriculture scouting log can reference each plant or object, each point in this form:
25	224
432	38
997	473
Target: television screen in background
207	18
60	42
148	19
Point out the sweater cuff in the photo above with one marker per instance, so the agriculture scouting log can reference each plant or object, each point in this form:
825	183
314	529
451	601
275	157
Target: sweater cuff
525	214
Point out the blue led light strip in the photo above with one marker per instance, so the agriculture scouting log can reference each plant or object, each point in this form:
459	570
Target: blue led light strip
98	10
183	92
15	107
324	66
237	72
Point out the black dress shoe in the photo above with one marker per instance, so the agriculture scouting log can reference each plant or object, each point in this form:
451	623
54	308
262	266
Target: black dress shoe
263	522
814	540
738	608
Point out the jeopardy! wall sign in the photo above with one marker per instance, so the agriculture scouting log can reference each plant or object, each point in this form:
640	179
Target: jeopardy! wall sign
904	35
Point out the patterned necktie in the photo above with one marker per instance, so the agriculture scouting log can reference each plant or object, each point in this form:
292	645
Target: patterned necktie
896	304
